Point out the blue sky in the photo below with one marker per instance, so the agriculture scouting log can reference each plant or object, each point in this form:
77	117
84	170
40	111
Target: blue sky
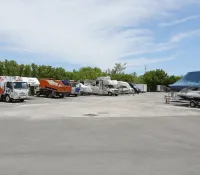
161	34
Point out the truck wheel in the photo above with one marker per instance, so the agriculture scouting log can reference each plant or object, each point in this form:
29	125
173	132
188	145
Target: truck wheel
110	93
21	100
50	95
116	94
7	99
61	96
37	94
193	104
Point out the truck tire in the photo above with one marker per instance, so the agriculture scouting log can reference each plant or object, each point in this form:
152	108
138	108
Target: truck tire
61	96
110	93
21	100
116	94
8	99
193	104
37	93
50	95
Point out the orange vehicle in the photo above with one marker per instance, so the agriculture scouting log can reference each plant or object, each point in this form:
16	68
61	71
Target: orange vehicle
68	89
50	88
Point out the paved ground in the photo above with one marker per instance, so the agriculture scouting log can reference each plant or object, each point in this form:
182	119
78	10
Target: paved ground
118	135
143	105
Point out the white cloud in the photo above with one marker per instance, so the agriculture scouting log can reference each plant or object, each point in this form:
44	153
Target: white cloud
152	47
145	61
179	21
81	31
184	35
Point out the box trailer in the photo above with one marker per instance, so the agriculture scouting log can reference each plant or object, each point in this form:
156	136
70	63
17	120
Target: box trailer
13	88
161	88
142	87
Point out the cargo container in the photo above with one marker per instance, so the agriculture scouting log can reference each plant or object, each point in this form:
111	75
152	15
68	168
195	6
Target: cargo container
142	87
161	88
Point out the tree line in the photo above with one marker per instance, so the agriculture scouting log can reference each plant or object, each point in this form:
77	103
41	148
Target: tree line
151	78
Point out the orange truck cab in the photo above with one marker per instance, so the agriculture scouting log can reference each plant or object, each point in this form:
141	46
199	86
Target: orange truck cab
50	88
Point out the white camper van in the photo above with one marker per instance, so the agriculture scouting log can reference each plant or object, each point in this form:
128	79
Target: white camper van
103	86
124	88
13	88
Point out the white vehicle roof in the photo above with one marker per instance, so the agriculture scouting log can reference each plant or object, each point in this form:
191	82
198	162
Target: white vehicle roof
85	88
110	82
32	81
104	78
123	83
10	78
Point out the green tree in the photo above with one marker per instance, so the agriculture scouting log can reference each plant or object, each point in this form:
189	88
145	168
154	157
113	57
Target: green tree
60	73
154	78
2	69
119	68
35	71
27	71
11	68
21	69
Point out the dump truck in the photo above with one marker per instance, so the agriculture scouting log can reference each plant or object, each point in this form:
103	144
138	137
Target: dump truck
68	89
50	88
75	87
13	88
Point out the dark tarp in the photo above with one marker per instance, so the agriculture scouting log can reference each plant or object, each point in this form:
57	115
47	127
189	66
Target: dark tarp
191	79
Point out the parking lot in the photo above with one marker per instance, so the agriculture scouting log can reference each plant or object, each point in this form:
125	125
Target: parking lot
142	105
99	135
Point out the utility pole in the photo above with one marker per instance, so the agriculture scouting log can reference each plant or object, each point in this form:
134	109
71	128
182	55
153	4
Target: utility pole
145	68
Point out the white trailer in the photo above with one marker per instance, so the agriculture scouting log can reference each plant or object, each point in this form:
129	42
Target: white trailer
33	84
13	88
161	88
142	87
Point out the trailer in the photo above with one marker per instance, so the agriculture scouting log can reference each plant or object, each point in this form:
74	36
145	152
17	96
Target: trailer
33	85
191	103
50	88
13	88
142	87
161	88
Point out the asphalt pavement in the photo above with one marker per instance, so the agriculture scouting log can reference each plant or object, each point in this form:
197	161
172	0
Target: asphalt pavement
109	146
163	144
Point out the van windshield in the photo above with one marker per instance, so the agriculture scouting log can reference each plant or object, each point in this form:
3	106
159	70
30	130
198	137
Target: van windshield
20	85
